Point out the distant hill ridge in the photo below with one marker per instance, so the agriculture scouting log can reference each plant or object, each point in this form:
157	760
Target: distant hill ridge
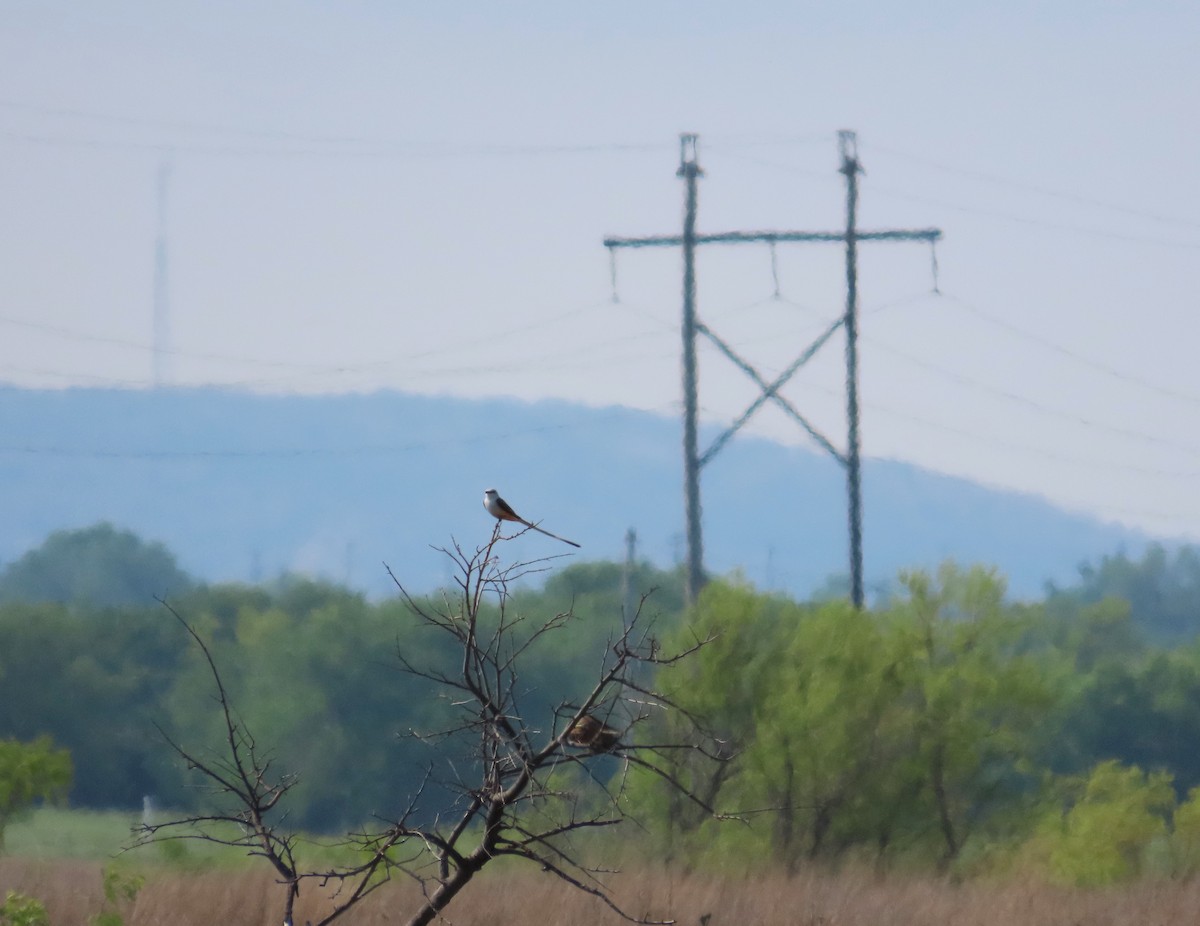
243	486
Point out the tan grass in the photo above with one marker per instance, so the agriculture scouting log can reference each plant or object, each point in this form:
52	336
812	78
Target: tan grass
72	893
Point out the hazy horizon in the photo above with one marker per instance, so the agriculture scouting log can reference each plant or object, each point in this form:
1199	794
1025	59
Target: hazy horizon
368	196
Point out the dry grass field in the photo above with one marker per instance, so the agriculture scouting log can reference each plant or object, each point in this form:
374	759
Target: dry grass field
71	891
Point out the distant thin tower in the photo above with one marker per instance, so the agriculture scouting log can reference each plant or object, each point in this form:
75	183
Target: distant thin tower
161	326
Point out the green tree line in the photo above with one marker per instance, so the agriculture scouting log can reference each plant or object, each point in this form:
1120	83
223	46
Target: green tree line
946	726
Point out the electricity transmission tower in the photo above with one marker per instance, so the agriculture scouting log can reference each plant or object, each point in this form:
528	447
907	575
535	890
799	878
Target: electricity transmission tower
693	460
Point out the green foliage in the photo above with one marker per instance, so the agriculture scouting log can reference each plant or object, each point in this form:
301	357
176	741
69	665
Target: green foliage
750	631
1095	633
31	772
97	567
121	887
1163	590
722	683
315	665
1105	836
976	700
19	910
1185	836
69	833
120	890
594	594
822	730
94	681
1143	712
48	832
904	730
933	729
599	587
324	684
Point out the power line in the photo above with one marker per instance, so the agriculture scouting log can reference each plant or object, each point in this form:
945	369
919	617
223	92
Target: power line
583	356
1040	190
776	165
1034	404
451	347
1088	463
364	146
1010	216
718	142
183	125
1040	223
73	377
993	179
546	360
1073	355
282	453
76	335
381	151
727	142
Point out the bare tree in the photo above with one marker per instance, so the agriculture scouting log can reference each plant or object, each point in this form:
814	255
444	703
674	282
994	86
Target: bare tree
510	784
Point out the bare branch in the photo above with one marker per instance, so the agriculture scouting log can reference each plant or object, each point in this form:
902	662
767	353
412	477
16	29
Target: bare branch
504	779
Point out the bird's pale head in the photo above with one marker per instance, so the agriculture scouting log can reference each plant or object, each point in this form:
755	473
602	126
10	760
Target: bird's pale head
490	493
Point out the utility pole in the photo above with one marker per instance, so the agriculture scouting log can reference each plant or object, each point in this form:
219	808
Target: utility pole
848	148
161	328
689	170
628	604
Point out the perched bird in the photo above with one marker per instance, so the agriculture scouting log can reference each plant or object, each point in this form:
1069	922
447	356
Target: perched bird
589	733
501	510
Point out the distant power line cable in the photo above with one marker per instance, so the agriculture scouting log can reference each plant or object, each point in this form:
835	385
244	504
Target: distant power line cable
289	144
73	378
1098	366
1040	190
382	153
719	142
454	347
1080	463
766	162
648	314
298	452
585	356
768	140
1034	404
1040	223
65	141
59	112
76	335
536	324
902	301
1012	216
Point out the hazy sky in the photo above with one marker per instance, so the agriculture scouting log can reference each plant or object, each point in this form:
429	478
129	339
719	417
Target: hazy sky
368	195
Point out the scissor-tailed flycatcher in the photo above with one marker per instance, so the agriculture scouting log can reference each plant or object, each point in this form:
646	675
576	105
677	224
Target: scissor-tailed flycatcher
500	509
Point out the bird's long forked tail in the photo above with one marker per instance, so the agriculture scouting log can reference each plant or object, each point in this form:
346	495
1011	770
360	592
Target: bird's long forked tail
541	530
